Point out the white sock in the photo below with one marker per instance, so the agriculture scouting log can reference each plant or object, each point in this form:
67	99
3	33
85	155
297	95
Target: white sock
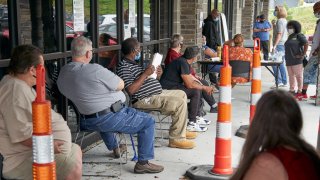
215	105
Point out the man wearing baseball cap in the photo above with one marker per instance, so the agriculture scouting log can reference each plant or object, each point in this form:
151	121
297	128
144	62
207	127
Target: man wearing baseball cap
177	76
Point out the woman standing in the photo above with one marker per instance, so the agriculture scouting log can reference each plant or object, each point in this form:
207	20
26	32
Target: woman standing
295	49
274	148
278	44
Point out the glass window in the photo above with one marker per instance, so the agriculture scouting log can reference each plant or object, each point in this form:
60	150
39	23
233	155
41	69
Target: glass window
107	33
130	19
107	18
4	35
148	20
4	31
219	4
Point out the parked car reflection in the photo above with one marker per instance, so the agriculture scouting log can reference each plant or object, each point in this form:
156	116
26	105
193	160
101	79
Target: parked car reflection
112	30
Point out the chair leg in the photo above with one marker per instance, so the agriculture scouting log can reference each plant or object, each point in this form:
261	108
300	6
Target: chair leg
160	122
82	139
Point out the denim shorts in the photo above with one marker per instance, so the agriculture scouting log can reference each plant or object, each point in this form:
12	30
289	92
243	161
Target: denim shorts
311	71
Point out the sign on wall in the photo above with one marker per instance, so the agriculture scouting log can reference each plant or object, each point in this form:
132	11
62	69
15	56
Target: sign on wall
78	15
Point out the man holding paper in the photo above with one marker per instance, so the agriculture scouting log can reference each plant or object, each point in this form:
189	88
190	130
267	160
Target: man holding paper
147	93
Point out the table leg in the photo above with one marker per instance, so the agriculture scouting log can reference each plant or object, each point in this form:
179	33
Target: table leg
277	75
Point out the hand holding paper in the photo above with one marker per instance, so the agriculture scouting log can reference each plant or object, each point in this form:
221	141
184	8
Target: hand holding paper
156	61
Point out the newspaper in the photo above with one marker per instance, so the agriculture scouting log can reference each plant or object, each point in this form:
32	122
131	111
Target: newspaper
156	61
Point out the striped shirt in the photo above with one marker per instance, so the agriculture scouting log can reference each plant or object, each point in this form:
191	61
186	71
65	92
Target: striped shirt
129	71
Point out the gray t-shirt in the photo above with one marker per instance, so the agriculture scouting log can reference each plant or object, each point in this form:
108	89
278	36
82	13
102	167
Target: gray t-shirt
91	87
281	27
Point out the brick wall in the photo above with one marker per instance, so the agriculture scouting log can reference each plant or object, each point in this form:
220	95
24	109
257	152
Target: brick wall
247	19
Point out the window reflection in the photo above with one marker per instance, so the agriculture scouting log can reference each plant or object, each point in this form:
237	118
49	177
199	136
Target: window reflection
4	32
107	19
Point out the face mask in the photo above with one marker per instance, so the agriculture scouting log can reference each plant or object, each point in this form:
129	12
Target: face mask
261	21
275	13
204	43
290	31
317	15
216	19
137	57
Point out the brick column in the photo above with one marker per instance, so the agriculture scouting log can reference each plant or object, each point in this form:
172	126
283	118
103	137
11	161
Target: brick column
176	26
237	18
247	19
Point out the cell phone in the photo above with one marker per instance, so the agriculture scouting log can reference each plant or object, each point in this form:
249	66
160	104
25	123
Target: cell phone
117	106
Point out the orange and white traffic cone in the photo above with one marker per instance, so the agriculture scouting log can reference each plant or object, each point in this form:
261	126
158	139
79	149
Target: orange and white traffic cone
44	167
256	78
318	144
222	157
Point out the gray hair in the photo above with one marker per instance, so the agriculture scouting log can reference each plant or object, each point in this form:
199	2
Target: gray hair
176	39
80	45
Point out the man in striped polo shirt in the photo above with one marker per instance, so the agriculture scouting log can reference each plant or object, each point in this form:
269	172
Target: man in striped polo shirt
147	93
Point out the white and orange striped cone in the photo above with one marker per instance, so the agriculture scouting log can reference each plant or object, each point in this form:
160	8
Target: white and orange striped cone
256	79
318	144
222	157
43	167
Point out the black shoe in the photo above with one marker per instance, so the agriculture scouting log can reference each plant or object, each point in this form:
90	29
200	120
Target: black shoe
214	110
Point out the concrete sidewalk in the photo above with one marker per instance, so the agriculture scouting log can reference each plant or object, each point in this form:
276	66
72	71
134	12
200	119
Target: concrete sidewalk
99	164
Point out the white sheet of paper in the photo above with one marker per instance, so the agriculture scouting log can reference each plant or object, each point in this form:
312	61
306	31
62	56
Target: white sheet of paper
156	61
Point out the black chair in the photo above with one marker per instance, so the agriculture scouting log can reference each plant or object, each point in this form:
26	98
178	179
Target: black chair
240	68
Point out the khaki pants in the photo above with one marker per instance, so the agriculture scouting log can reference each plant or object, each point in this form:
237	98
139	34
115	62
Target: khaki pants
169	102
64	164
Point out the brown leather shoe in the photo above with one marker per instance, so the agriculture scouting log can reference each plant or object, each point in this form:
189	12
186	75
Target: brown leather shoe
182	144
147	168
191	135
117	152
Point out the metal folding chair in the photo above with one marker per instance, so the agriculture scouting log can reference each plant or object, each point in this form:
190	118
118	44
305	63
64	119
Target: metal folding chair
121	138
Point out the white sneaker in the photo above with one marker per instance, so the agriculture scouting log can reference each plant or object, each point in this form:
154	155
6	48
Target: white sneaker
195	127
283	85
202	121
275	86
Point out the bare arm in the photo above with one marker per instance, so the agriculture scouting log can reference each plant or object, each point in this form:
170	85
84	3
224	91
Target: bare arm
265	167
305	49
210	53
276	41
257	30
135	86
190	83
27	142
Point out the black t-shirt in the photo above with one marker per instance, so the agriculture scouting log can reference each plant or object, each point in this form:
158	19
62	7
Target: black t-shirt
171	77
294	46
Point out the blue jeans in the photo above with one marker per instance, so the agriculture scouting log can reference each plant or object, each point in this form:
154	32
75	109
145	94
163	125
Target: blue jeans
128	121
282	76
311	71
